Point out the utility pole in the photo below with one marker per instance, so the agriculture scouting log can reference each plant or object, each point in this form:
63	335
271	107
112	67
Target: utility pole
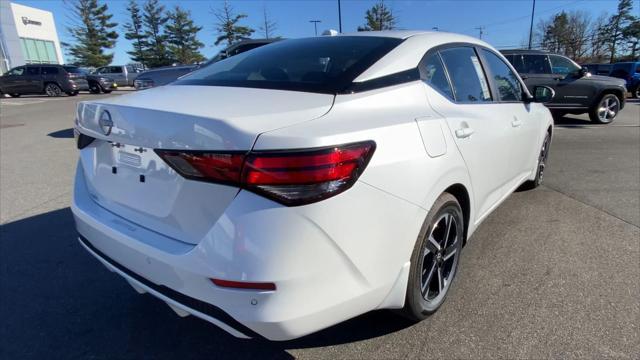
339	18
533	11
315	25
481	30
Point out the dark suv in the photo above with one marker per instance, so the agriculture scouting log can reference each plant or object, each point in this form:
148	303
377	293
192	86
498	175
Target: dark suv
52	80
577	91
630	73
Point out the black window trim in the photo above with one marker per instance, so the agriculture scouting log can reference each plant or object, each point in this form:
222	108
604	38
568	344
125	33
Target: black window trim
487	73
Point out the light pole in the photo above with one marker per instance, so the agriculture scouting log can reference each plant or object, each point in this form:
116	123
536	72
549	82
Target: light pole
339	18
533	11
315	25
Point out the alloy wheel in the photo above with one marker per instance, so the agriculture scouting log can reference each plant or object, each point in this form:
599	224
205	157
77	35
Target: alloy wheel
608	108
440	258
542	159
53	90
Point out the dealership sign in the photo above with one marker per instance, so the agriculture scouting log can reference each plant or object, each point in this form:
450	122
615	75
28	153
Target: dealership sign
27	21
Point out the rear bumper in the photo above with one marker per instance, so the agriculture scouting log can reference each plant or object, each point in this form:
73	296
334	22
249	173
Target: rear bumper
323	276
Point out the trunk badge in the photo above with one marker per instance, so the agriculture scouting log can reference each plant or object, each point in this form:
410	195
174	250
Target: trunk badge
105	122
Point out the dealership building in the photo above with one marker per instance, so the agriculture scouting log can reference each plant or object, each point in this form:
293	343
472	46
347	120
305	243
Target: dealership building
27	36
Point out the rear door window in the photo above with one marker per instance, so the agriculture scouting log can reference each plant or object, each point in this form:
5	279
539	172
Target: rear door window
33	70
49	70
115	70
467	77
535	64
506	81
562	66
433	74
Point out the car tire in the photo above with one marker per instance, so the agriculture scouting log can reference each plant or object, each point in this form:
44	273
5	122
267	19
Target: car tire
52	90
542	164
558	114
94	88
14	95
106	91
635	93
605	110
435	258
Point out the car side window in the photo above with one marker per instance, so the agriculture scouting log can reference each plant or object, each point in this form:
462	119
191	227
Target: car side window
115	70
434	75
535	64
100	70
467	77
17	71
508	85
562	66
33	70
49	70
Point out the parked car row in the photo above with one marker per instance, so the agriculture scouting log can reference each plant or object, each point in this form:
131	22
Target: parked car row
577	90
628	71
52	80
163	76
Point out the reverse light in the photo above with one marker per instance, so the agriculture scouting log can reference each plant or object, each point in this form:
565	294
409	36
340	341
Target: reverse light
290	177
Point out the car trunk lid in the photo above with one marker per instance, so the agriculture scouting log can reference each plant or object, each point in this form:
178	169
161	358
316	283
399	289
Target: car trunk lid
125	176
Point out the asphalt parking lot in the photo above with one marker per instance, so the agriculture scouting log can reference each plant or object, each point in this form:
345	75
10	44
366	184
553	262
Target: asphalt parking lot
553	272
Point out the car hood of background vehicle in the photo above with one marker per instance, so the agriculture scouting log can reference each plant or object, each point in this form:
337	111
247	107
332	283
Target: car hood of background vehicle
607	79
200	117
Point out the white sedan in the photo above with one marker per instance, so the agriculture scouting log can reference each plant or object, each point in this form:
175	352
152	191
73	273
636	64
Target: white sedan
300	184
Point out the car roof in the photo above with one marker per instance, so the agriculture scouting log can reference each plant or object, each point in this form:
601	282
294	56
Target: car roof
525	51
410	51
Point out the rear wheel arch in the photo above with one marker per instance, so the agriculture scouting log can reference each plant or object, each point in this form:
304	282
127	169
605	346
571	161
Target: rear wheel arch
618	93
461	194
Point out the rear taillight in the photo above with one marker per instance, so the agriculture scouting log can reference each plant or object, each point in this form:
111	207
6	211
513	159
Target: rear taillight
290	177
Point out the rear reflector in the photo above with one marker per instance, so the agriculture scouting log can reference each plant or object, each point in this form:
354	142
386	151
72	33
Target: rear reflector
294	177
244	285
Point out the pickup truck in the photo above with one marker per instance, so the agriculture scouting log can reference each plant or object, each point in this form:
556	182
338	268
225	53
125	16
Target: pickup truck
122	75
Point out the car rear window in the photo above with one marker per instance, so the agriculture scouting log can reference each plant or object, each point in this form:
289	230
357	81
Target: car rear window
73	69
320	64
535	64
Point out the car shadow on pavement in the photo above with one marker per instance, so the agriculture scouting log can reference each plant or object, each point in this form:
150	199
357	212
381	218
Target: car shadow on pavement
568	120
62	134
57	301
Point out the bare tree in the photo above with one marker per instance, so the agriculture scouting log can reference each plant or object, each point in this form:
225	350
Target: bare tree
268	27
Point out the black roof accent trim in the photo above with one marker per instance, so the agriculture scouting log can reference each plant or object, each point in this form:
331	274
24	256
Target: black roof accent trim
382	82
195	304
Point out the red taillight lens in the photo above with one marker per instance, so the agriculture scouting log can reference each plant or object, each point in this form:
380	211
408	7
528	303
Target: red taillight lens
210	166
244	285
294	177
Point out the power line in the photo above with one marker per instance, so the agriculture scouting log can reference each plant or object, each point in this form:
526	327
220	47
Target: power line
522	17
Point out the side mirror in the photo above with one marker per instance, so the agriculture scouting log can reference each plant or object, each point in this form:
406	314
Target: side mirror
584	71
543	94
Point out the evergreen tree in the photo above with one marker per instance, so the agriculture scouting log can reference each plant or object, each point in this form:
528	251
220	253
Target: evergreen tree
378	18
227	26
617	23
154	19
134	32
93	33
268	27
183	44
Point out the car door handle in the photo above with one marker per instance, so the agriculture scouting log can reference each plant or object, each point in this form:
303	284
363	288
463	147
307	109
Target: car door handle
464	132
516	122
